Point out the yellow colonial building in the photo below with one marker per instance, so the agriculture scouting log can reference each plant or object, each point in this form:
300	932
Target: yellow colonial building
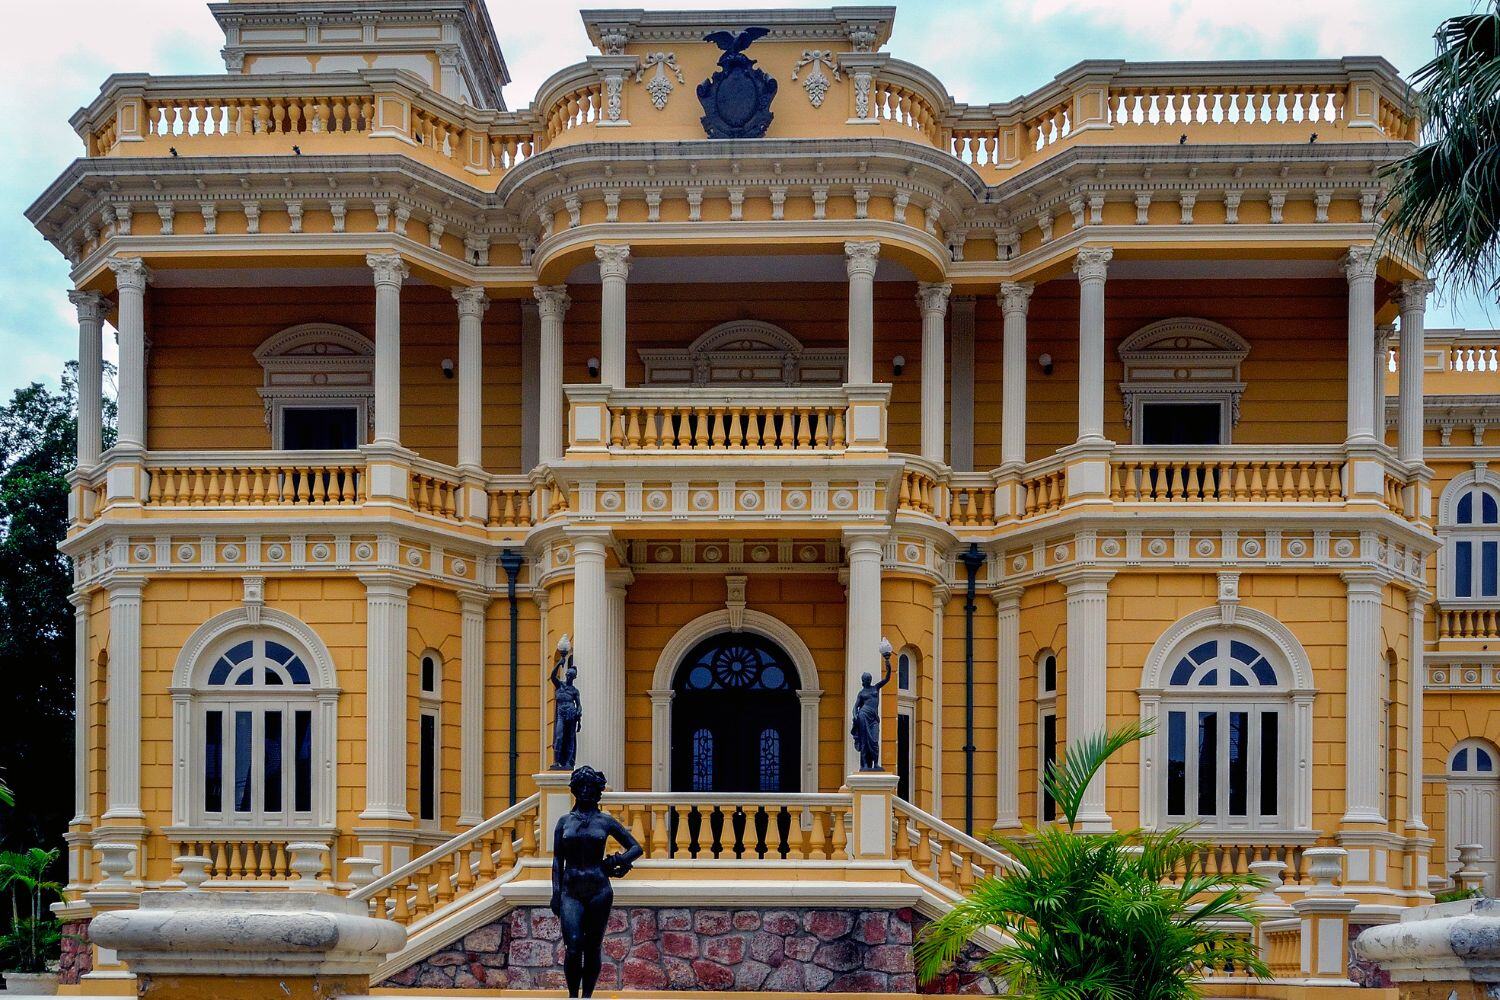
1102	404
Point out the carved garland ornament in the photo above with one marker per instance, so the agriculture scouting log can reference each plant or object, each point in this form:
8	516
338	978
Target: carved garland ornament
816	82
659	87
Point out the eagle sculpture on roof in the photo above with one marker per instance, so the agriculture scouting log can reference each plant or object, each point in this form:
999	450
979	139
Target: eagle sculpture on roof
737	98
732	43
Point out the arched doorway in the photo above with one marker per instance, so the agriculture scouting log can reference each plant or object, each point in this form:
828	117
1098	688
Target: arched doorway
1474	806
736	717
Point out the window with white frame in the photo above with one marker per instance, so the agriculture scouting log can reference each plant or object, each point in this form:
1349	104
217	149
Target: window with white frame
1225	722
1046	724
906	721
319	387
429	739
1474	545
1181	382
262	749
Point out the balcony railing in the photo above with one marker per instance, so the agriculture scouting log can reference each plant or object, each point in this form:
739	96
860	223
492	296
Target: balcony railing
1227	475
1468	623
254	479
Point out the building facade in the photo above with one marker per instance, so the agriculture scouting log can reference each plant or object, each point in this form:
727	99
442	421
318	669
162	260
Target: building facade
1102	405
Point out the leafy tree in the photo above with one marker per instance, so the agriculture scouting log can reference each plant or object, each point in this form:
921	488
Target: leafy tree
38	431
34	936
1099	916
1444	199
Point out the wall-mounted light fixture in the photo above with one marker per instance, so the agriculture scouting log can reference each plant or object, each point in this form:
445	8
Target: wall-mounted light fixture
447	368
593	367
1046	362
898	365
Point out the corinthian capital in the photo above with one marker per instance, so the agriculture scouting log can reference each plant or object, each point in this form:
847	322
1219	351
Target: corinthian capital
471	301
614	260
861	256
389	268
1092	263
932	296
1359	264
90	305
1413	295
551	301
1015	297
130	273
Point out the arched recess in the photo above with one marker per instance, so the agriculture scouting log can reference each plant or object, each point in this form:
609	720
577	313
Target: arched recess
689	636
1469	526
1473	806
317	366
200	653
1289	683
745	352
1183	361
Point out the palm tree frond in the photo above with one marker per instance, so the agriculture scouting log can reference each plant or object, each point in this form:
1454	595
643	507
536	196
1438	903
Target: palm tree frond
1068	779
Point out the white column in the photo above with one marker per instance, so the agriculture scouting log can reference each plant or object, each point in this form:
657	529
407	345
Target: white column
90	307
1359	268
1087	712
1363	697
1416	611
596	735
385	698
862	644
472	303
1413	300
1383	336
1091	266
932	299
552	305
531	337
122	734
131	278
614	268
80	708
473	605
1015	299
612	763
961	368
389	271
860	260
1008	702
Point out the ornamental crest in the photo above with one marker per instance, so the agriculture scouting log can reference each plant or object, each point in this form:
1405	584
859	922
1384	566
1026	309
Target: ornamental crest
737	98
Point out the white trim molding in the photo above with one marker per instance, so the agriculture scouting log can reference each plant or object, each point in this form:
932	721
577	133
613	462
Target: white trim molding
317	364
1183	360
809	693
741	352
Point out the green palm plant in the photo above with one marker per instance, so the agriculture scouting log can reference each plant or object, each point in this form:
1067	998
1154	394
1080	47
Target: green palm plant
1443	202
1100	916
34	935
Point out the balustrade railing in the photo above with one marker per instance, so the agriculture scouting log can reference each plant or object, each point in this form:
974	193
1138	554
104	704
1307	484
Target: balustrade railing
1468	623
242	858
1235	858
684	827
938	851
1281	947
254	480
432	492
971	503
1149	475
1044	489
920	492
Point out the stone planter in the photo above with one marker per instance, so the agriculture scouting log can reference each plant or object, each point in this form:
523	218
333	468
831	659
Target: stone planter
31	984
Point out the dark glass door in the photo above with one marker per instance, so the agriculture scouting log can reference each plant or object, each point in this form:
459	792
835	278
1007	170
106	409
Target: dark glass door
320	428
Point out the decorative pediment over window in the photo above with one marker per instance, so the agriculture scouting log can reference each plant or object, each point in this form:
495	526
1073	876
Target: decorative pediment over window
1182	360
744	352
317	364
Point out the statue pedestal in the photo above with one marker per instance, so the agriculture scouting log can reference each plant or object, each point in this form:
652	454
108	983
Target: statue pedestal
556	801
873	793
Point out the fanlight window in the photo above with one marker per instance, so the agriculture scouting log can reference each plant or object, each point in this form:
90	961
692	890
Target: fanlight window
256	716
1472	759
745	665
1475	545
1226	723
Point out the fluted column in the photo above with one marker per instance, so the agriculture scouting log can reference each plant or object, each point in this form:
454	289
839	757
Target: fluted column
1413	301
612	763
472	303
1363	696
385	698
1416	611
90	307
472	608
961	381
1015	299
389	271
131	277
1359	268
862	644
1091	266
122	734
601	718
932	298
1008	701
552	305
860	260
80	708
614	268
1384	334
1087	678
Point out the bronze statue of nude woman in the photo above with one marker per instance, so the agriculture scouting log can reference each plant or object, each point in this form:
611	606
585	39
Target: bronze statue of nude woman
581	893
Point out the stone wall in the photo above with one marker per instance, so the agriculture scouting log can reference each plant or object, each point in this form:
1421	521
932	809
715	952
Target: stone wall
1362	971
649	948
77	958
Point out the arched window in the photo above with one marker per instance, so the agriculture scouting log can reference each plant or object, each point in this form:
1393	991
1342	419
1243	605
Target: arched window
429	738
256	717
1474	545
1046	721
1472	759
254	710
1231	706
906	720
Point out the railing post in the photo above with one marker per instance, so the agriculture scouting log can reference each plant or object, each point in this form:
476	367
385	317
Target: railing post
1324	913
588	417
554	800
872	794
865	426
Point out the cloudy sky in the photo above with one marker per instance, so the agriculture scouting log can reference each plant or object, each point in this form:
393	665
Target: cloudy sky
56	54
